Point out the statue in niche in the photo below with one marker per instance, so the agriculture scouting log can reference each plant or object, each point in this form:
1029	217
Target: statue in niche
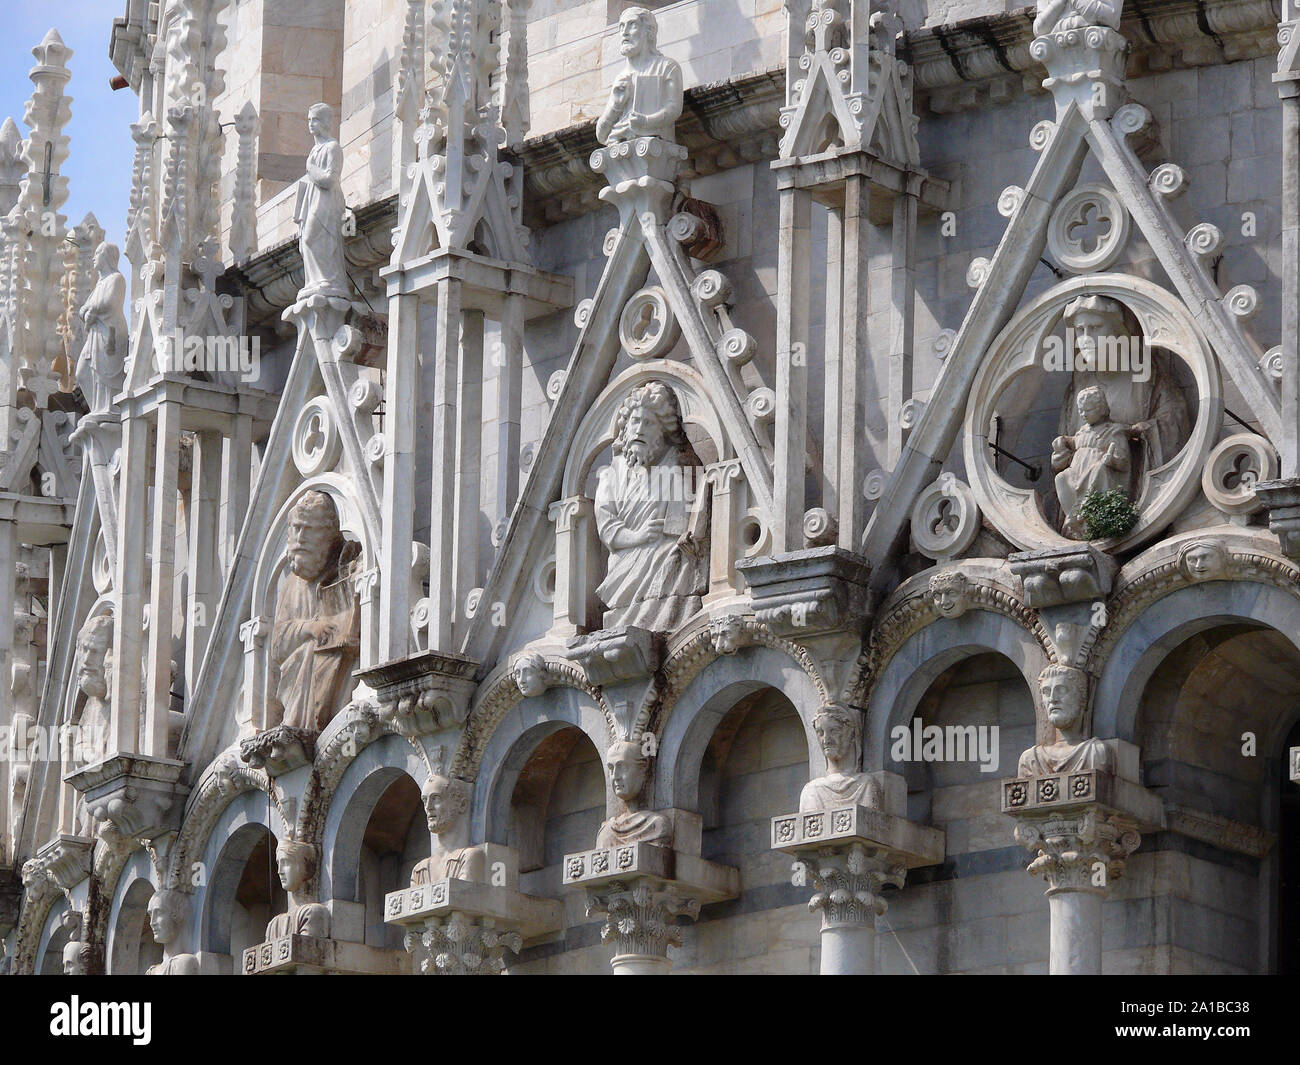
167	911
94	676
295	863
839	734
1140	389
446	808
646	98
1064	691
1076	14
651	517
101	366
319	211
950	592
529	674
1097	458
316	637
628	768
1203	560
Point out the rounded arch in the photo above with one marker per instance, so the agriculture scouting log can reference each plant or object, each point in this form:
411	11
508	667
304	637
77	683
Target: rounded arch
129	947
370	774
1166	623
222	782
690	721
514	739
48	960
596	432
926	654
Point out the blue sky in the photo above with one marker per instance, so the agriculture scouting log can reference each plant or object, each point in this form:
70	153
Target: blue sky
99	166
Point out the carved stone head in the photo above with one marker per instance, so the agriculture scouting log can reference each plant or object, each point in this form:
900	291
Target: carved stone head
1092	318
628	768
950	591
638	32
529	673
445	800
1064	690
725	632
314	536
106	258
320	121
1093	405
295	862
94	643
1203	560
167	909
76	958
649	422
839	733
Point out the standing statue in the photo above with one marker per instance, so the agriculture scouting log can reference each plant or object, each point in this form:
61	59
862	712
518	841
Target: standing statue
316	637
1064	691
167	910
319	211
646	98
1076	14
839	734
101	366
295	863
658	557
628	767
1097	458
446	808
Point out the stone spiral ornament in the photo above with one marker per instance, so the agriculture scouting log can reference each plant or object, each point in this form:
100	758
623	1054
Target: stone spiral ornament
421	613
910	413
472	600
737	347
582	313
1242	302
685	228
1272	364
1041	135
375	450
943	343
1204	239
1010	200
873	485
712	288
1168	180
761	405
978	271
819	528
610	243
365	396
555	384
1130	119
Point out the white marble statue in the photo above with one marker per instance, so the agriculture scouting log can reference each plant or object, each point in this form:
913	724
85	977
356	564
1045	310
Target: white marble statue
1097	458
628	766
1064	691
950	591
77	958
167	911
316	639
94	677
1203	560
656	535
446	808
295	863
529	674
319	210
839	733
1076	14
646	98
101	366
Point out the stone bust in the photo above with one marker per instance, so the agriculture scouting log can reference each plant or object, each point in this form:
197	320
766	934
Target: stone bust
1064	692
1076	14
529	674
1203	560
646	97
319	210
446	808
628	767
316	637
94	678
100	370
839	734
656	536
295	862
167	911
77	958
950	592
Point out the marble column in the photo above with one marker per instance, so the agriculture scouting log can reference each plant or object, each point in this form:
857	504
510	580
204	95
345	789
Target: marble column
847	883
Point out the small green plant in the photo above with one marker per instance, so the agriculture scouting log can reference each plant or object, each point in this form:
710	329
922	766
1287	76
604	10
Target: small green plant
1108	514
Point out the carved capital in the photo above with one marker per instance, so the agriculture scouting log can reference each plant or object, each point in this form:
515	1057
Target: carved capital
1282	498
640	915
847	883
1082	850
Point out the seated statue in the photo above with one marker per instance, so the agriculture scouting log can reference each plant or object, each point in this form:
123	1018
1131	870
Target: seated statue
646	98
839	734
295	863
1064	691
1095	459
658	556
446	806
167	911
628	768
1076	14
316	637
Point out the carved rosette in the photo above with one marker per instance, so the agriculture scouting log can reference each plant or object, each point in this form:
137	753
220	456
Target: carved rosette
1074	848
640	916
847	883
461	945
